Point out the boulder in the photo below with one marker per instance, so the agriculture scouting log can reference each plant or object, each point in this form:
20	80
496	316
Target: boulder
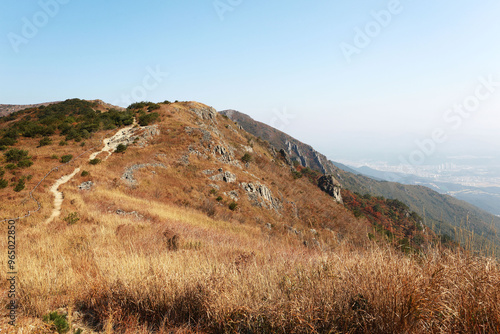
331	186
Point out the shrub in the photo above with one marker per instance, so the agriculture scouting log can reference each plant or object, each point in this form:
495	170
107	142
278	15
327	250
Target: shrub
72	218
2	172
16	155
95	161
45	141
63	143
66	158
219	198
20	185
246	158
82	144
3	183
121	148
153	106
25	163
85	173
148	118
232	206
213	191
54	156
57	321
10	166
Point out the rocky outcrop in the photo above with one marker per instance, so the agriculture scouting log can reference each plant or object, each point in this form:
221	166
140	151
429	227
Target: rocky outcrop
86	185
224	155
128	175
205	113
294	149
224	176
233	194
331	186
261	196
285	157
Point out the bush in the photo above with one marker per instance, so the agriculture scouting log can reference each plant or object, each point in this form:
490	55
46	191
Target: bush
95	161
121	148
232	206
63	143
219	198
3	183
25	163
246	158
2	172
10	166
66	158
20	185
54	156
85	173
16	155
148	118
57	321
72	218
45	141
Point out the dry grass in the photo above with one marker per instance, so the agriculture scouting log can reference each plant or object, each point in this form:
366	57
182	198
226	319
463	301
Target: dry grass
225	279
226	271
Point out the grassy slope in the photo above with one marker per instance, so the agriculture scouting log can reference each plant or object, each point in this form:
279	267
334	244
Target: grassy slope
229	271
445	214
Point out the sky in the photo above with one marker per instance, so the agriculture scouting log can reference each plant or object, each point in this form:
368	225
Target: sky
355	79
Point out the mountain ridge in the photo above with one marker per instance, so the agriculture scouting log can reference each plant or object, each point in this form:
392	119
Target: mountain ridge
446	213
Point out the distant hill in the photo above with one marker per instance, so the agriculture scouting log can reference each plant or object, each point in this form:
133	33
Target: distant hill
7	109
486	198
444	213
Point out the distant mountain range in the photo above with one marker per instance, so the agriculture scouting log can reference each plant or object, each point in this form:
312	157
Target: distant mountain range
486	198
446	214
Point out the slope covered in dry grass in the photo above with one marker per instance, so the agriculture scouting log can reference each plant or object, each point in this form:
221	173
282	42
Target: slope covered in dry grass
167	253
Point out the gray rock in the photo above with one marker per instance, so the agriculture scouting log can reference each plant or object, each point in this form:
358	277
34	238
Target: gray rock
224	176
331	186
261	196
128	175
285	157
206	113
229	177
86	185
233	194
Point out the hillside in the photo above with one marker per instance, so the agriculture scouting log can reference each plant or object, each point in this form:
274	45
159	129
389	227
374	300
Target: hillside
169	218
445	214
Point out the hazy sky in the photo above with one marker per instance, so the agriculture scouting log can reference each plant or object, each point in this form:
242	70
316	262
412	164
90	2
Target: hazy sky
353	78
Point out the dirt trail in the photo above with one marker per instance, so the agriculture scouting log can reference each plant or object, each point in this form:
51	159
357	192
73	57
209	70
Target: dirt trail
58	196
111	143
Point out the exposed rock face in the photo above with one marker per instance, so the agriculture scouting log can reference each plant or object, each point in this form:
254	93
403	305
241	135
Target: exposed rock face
233	194
128	175
261	196
331	186
224	176
86	185
285	157
224	155
206	113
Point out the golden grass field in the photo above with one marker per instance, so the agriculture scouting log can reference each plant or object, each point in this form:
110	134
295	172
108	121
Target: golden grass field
224	271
